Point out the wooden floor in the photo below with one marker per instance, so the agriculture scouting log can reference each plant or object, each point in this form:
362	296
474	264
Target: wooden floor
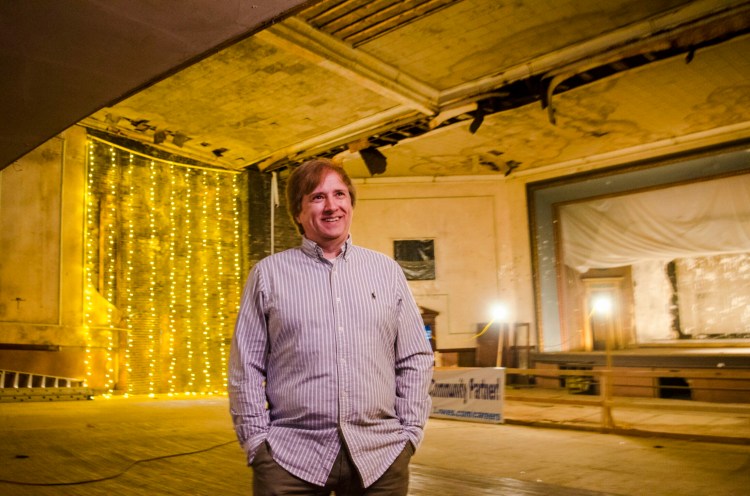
215	471
129	447
428	481
207	474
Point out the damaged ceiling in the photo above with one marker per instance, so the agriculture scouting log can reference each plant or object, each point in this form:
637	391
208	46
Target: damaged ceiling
456	87
63	60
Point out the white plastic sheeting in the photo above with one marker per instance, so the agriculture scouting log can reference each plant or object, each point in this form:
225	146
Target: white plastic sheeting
698	219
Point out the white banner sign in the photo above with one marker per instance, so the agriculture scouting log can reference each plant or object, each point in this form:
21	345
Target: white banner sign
474	394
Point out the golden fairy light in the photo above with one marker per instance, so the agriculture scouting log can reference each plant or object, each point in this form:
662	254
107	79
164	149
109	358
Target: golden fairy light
159	259
172	379
89	262
154	239
129	229
188	282
219	278
236	235
237	268
205	285
109	268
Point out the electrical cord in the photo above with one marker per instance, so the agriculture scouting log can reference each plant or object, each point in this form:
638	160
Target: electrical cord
122	472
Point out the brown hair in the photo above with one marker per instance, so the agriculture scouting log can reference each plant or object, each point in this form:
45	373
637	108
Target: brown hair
305	179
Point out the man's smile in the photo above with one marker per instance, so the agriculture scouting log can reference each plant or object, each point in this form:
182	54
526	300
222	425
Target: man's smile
326	213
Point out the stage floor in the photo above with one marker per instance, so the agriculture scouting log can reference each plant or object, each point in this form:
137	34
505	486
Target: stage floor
666	354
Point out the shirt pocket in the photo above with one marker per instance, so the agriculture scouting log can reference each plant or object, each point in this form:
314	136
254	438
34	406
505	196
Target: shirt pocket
374	312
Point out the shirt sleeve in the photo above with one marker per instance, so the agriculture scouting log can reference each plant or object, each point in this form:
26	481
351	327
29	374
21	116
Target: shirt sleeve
247	367
414	366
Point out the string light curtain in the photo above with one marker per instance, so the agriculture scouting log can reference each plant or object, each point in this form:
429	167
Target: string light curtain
163	270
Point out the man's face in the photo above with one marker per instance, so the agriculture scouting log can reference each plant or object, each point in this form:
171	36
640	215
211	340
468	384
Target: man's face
326	213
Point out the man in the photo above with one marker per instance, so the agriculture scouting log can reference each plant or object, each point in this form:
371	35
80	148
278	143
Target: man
330	365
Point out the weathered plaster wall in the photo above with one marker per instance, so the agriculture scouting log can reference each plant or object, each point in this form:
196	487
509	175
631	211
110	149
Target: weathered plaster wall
478	261
41	219
653	299
715	295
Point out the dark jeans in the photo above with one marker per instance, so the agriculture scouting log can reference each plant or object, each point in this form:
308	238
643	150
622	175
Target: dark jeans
270	479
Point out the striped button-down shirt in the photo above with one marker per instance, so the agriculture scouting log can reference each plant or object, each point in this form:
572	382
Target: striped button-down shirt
329	349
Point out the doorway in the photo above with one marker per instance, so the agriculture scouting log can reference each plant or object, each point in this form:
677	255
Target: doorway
607	309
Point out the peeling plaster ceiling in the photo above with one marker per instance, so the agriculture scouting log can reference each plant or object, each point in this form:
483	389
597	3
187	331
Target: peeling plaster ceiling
548	83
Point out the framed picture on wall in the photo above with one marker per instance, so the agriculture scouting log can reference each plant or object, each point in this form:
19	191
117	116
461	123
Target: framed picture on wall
416	258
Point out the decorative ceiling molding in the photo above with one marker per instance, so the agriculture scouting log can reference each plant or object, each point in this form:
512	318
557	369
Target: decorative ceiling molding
329	143
611	46
295	35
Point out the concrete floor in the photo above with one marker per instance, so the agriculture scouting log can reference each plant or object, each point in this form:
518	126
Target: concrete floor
139	446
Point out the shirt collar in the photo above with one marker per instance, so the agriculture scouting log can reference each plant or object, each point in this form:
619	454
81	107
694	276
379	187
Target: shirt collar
312	249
